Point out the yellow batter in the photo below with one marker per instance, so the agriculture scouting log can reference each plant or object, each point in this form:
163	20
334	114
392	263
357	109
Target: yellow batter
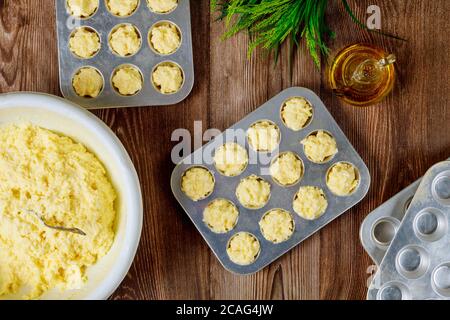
82	8
310	202
253	192
60	180
127	80
263	136
84	43
230	159
165	38
342	179
125	40
167	78
277	225
87	82
197	183
220	215
287	169
122	8
243	248
162	6
296	113
320	147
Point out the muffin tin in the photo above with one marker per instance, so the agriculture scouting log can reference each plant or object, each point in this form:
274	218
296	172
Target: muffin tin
281	197
417	262
106	62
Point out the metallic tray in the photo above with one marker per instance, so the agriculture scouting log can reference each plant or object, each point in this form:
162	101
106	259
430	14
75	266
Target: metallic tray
281	197
106	61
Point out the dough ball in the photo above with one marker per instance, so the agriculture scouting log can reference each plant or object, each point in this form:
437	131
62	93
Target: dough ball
230	159
342	178
220	215
277	225
243	248
87	82
287	169
165	38
320	147
127	80
167	78
84	42
253	192
296	113
82	8
162	6
263	136
122	8
125	40
197	183
310	203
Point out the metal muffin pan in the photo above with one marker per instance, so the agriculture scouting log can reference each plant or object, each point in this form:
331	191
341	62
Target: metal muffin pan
105	61
281	197
417	263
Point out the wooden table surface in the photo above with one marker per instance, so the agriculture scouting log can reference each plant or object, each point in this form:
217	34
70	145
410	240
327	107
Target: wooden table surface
398	139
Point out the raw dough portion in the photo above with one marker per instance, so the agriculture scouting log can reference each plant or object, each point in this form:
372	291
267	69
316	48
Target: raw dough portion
320	147
310	202
87	82
253	192
165	38
243	248
162	6
125	40
287	169
84	43
230	159
127	80
197	183
263	136
122	8
168	78
49	175
277	225
220	215
82	8
296	113
342	179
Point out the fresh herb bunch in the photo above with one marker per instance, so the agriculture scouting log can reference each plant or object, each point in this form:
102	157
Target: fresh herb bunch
271	22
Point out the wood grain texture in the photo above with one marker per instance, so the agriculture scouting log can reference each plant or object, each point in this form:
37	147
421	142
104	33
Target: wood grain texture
398	139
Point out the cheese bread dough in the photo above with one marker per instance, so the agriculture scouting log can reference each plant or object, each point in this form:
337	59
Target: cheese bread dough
253	192
125	40
51	176
296	113
263	136
230	159
82	8
220	215
277	225
286	169
320	147
162	6
197	183
165	38
167	78
122	8
243	248
342	178
127	80
84	42
87	82
310	202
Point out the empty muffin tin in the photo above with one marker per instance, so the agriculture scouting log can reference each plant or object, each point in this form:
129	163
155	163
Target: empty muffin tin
106	62
417	263
281	197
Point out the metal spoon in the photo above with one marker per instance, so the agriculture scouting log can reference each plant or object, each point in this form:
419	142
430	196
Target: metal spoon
72	230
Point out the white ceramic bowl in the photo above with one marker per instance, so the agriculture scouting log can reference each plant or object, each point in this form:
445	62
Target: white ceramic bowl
64	117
